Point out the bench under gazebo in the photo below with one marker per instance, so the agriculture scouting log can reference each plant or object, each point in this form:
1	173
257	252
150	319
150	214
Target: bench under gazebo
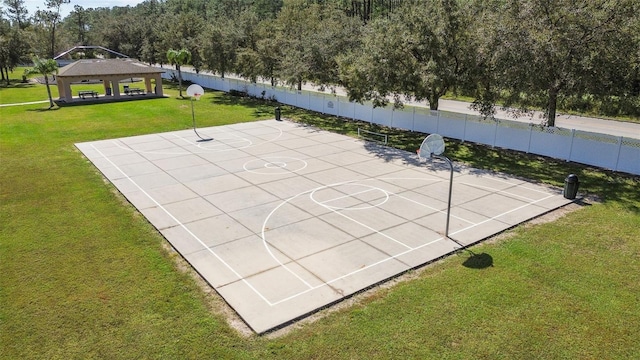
117	77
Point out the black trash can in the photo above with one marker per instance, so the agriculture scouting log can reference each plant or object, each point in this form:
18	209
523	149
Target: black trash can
571	187
108	93
278	113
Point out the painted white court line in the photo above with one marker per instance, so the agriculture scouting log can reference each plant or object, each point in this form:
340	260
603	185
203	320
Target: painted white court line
351	195
269	161
326	283
240	277
220	144
325	204
519	185
355	272
206	150
337	211
409	248
500	191
503	214
425	205
26	103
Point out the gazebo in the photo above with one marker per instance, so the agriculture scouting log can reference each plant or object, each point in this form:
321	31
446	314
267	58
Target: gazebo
111	72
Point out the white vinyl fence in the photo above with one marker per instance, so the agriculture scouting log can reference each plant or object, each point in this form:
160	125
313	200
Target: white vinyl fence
606	151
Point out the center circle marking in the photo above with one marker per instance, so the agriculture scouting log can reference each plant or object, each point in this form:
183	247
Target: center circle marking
275	165
351	190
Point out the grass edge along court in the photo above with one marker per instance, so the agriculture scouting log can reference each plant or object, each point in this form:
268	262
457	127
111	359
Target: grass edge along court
284	219
85	276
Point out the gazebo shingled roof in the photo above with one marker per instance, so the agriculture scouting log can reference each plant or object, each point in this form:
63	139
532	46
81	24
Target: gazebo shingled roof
110	72
102	67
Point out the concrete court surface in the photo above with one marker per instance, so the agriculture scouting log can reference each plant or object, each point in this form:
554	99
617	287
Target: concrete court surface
284	219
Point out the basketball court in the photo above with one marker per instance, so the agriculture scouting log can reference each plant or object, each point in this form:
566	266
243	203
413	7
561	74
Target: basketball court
283	219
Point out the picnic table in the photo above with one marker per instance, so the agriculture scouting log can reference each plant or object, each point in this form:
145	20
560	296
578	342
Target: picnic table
84	93
132	91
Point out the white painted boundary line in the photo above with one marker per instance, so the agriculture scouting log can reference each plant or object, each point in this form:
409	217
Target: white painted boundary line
240	277
198	145
310	192
409	248
25	103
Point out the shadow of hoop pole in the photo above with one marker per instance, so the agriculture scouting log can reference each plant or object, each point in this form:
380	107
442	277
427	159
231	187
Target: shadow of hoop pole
478	261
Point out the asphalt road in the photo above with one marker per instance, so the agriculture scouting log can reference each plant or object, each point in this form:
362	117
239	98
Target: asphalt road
602	126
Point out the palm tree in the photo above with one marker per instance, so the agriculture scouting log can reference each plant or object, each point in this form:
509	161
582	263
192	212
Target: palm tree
45	68
179	58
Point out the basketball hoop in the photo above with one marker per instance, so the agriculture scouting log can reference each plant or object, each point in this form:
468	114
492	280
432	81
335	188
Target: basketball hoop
433	147
194	91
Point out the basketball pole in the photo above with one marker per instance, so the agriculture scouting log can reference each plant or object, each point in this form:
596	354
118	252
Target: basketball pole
446	231
193	117
434	146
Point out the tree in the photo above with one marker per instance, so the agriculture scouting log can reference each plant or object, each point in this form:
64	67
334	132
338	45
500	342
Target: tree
15	45
561	47
267	9
49	20
186	30
297	22
179	58
248	64
268	51
17	13
118	29
221	46
151	50
5	29
44	68
370	72
79	17
335	35
422	52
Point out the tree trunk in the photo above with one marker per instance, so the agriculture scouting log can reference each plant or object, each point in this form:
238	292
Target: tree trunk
53	41
179	80
551	107
46	81
433	101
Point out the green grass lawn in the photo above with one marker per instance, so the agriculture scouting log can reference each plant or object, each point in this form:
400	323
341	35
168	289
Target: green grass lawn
83	275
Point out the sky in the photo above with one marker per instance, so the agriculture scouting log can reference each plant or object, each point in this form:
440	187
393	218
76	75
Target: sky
33	5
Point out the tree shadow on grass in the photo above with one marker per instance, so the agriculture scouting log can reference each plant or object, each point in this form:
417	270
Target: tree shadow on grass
17	85
606	185
260	107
